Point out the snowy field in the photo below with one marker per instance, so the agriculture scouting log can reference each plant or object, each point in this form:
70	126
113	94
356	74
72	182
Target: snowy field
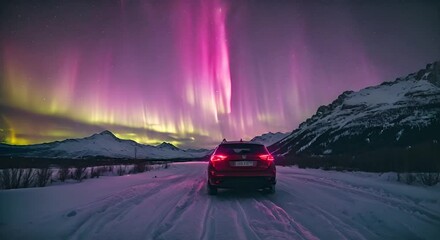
173	204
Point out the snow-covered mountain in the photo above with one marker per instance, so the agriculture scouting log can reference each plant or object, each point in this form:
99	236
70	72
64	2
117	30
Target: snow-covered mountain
401	114
269	138
167	146
104	144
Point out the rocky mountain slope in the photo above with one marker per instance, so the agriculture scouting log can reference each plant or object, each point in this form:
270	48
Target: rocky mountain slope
401	116
269	138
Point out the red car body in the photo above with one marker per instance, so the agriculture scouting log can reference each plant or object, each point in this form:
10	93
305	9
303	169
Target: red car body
241	165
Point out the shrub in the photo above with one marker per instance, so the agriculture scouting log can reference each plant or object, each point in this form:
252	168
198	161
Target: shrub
410	178
5	178
43	176
63	173
102	170
139	167
10	178
28	178
121	170
95	172
79	173
167	165
16	178
429	179
148	167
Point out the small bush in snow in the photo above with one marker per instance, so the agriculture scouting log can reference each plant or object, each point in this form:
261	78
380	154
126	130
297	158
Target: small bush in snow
148	167
139	167
102	170
121	170
95	172
28	178
410	178
16	178
7	176
429	179
43	176
79	173
11	178
63	173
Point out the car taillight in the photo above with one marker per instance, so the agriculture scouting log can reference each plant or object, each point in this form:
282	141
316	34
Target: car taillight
218	157
267	157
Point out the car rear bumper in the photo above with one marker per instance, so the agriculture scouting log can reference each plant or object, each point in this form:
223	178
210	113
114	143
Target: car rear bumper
251	179
242	182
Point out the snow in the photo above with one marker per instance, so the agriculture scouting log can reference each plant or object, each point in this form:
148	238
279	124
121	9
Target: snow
173	204
269	138
399	134
327	151
388	95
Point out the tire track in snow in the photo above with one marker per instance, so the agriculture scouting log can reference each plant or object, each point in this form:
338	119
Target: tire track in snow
343	229
244	219
281	226
174	216
94	216
227	217
389	200
402	214
208	221
224	222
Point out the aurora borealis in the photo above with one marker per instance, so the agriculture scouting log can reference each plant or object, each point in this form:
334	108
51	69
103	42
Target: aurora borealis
193	72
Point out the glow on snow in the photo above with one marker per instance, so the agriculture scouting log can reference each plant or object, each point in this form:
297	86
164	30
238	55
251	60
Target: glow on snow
187	72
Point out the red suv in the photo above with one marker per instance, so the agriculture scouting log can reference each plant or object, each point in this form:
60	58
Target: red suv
241	164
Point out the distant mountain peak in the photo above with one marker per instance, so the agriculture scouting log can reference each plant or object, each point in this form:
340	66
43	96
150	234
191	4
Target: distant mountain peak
102	137
106	132
167	146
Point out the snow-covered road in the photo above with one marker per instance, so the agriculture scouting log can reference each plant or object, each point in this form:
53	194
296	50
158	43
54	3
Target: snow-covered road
173	204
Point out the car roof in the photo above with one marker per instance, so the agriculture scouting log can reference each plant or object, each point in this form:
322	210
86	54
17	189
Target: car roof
240	142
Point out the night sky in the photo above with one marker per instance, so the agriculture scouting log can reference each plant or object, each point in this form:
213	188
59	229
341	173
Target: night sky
194	72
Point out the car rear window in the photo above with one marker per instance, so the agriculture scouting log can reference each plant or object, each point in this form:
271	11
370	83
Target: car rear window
241	149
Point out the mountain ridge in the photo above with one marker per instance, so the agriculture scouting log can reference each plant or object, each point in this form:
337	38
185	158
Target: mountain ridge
398	115
103	144
269	138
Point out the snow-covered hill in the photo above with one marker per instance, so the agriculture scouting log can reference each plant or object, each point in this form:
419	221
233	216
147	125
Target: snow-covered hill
104	144
400	114
269	138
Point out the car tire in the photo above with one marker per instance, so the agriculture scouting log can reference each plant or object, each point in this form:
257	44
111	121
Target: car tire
270	189
212	190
